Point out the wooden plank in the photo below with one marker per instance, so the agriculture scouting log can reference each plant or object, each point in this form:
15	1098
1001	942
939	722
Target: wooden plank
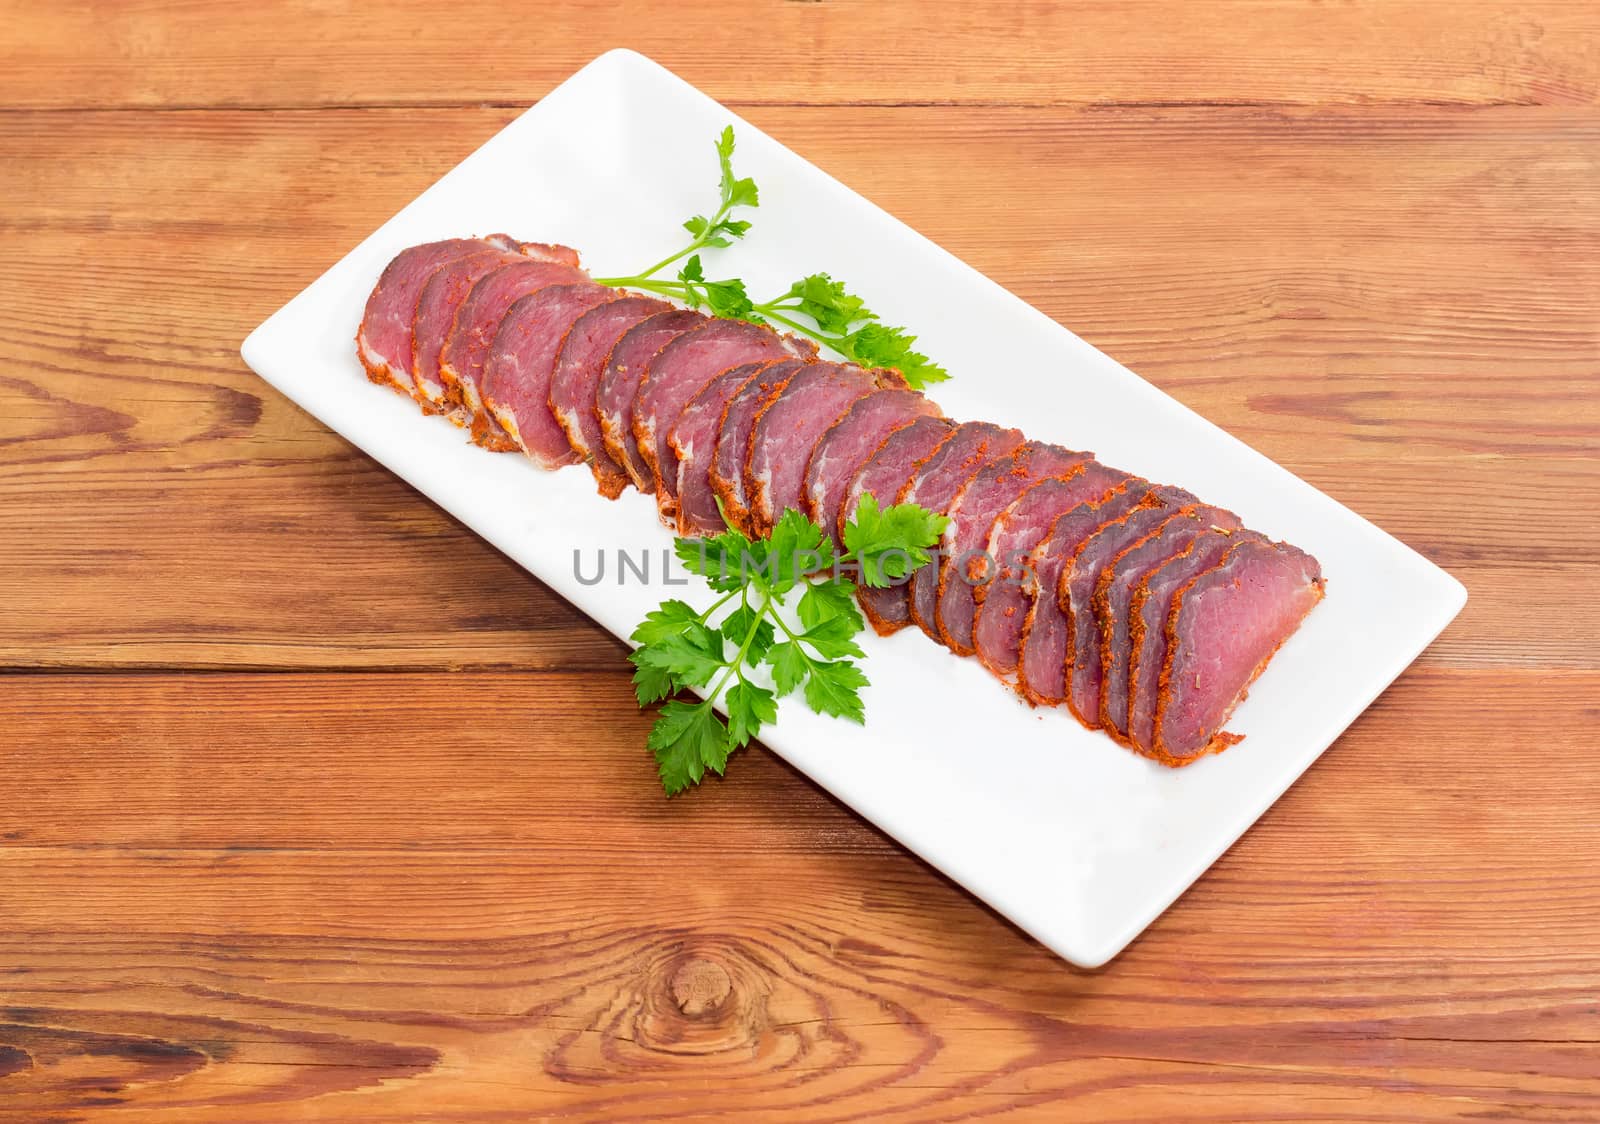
1469	52
1399	305
276	761
242	897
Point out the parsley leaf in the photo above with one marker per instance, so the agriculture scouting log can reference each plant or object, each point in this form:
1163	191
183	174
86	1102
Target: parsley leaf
749	708
831	638
796	547
739	624
688	739
691	658
736	192
789	665
833	688
828	303
890	543
722	561
670	618
880	345
823	600
651	684
845	324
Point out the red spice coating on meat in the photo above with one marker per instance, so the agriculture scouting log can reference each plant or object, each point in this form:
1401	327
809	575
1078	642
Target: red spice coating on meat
1046	639
847	445
1223	628
963	565
620	379
733	439
694	443
678	372
1113	598
516	374
1075	595
575	382
472	334
788	427
383	340
1152	601
1004	604
936	486
883	476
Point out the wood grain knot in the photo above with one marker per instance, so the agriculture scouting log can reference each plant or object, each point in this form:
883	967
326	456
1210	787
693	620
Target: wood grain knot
14	1060
704	996
700	986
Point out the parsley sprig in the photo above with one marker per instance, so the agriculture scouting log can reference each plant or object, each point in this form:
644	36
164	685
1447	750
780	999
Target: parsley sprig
719	230
760	649
816	306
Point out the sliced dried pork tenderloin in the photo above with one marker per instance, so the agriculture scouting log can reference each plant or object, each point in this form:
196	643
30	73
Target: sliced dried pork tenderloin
516	374
887	472
620	379
848	443
883	476
937	483
1003	604
1152	601
472	334
963	564
436	310
678	372
1046	639
383	341
789	427
1223	628
575	382
694	443
1075	594
1113	596
733	440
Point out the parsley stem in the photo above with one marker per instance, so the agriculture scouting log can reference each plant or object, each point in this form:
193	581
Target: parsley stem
721	601
664	262
642	281
700	242
738	659
797	641
767	313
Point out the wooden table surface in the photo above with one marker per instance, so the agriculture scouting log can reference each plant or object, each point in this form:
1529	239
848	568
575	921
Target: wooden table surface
293	828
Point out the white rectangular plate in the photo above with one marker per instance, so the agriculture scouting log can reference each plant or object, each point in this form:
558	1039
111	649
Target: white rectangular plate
1077	841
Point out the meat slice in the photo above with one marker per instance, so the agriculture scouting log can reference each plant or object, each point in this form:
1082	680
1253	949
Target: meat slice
1046	639
620	379
1152	601
847	444
733	439
1075	594
963	565
1113	595
1223	628
678	372
575	382
516	374
788	428
1004	603
383	341
472	334
694	443
883	476
939	480
435	313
